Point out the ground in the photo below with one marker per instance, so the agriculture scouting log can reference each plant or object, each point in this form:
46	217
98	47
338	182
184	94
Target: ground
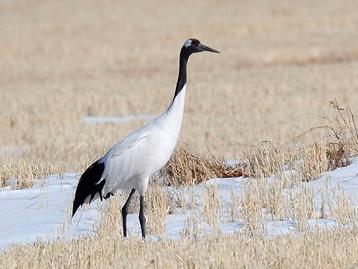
75	77
43	212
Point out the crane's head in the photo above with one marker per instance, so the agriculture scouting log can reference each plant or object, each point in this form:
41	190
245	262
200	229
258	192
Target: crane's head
193	45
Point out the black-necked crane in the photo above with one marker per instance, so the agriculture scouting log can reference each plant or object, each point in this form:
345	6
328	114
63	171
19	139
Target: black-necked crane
130	163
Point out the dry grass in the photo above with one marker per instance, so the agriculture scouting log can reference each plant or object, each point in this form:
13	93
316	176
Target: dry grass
157	208
251	208
267	159
189	167
250	247
87	67
24	171
303	208
280	63
111	220
212	206
306	160
321	249
314	160
234	206
345	210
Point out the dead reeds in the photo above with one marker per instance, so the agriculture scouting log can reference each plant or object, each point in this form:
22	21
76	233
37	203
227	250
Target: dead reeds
189	167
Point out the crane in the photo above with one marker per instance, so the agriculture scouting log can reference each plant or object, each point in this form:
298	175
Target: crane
130	163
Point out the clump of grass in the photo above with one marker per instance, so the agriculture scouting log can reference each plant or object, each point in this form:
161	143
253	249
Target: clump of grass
338	155
310	159
156	209
24	171
188	167
343	136
191	229
313	160
110	222
343	129
177	200
344	210
267	159
251	203
274	199
302	208
343	125
212	205
234	206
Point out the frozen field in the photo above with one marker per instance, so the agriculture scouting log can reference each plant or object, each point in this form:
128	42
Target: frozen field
77	76
43	211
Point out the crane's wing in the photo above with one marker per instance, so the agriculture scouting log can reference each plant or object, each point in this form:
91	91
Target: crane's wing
94	178
127	144
123	157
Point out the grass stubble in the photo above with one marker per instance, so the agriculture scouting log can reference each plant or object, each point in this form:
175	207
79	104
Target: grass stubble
72	67
266	196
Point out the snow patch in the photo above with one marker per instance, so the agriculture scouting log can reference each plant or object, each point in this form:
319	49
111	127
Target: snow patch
44	211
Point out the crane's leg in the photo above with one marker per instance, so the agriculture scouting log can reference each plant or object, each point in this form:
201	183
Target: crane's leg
142	216
125	212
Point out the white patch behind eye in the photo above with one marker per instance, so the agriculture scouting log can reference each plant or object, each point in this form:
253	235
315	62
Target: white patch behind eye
187	43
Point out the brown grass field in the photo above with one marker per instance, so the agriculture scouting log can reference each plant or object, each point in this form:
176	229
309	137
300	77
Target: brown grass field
281	62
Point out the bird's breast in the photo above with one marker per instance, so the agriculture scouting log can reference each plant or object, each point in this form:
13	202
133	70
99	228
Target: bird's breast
131	168
162	147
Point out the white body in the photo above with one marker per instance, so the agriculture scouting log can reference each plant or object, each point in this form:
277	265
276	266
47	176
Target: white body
130	163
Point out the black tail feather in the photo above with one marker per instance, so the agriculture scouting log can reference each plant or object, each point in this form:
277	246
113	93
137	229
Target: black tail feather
89	185
76	205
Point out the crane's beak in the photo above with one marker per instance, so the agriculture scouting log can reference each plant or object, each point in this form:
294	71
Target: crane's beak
203	47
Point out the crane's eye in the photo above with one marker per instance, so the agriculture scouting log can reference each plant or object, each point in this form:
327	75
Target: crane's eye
194	41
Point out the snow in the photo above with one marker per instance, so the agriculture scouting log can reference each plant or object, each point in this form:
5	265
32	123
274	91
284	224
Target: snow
345	178
11	150
29	214
43	211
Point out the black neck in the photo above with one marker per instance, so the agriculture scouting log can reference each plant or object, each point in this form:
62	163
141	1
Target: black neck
184	56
